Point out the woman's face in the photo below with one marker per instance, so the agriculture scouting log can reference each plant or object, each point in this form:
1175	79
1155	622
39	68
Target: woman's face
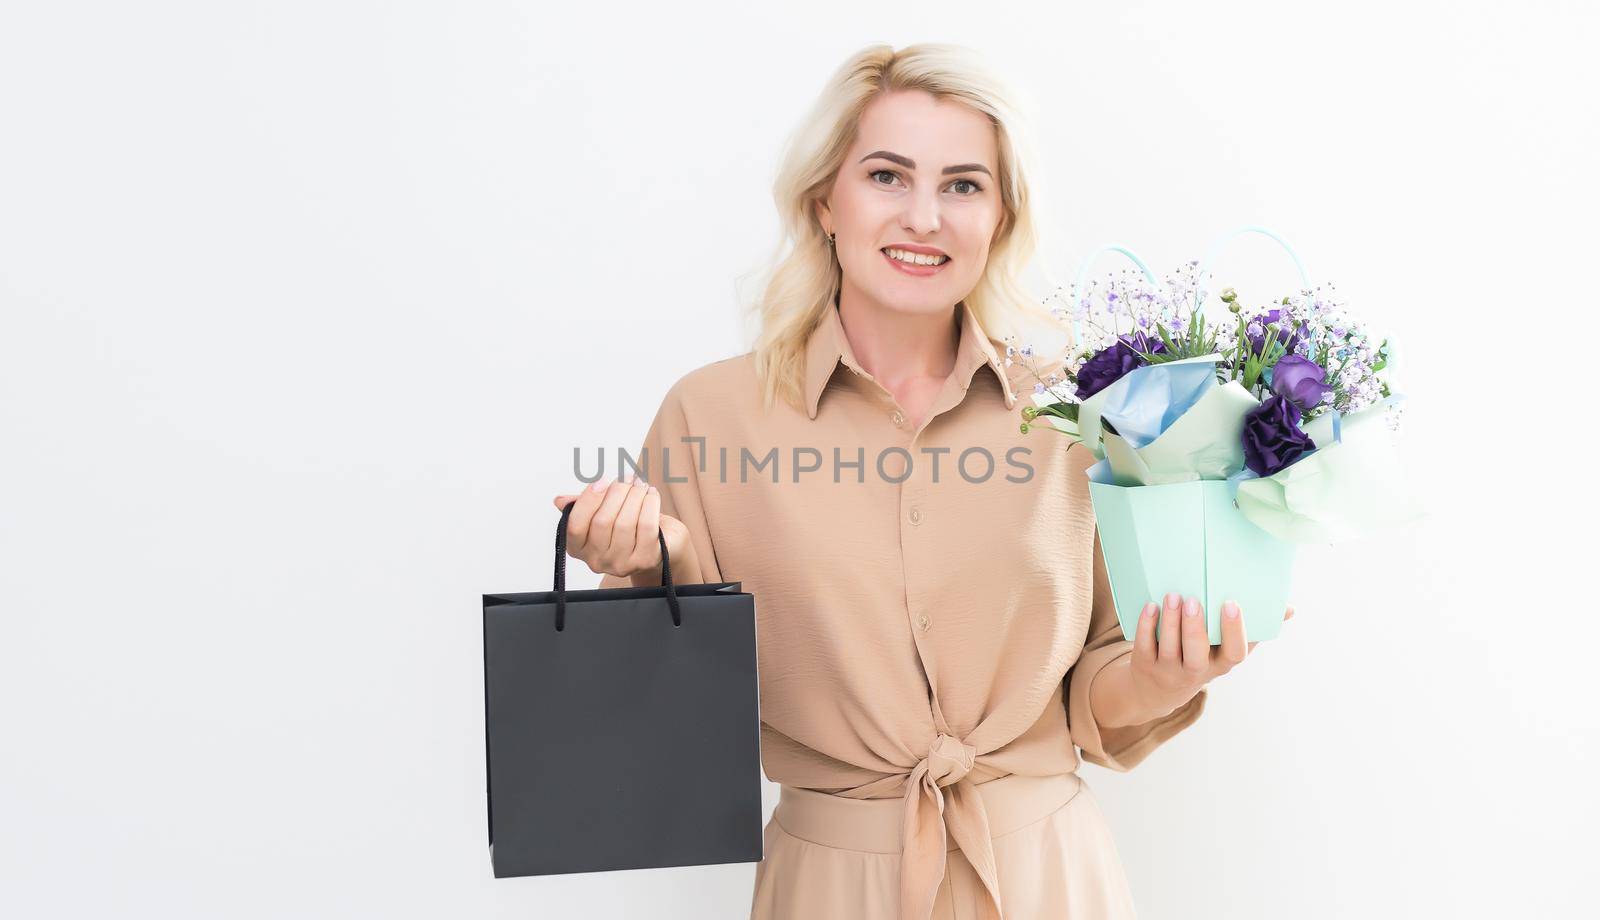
921	172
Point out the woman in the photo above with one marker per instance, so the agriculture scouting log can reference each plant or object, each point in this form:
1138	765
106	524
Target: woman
936	633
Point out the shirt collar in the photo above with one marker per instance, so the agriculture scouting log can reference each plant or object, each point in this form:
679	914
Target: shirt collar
828	347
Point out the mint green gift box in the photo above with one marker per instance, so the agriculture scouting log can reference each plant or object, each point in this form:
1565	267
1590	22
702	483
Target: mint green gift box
1185	517
1189	538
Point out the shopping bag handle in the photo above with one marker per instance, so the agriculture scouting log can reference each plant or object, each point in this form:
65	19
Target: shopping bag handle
561	572
1083	272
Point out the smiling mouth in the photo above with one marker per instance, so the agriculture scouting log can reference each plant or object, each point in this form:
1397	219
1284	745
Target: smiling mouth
912	259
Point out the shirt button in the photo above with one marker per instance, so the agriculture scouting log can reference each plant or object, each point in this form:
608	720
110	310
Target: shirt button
916	515
922	622
899	418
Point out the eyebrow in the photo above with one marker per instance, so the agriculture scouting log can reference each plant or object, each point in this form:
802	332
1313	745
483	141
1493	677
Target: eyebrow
908	163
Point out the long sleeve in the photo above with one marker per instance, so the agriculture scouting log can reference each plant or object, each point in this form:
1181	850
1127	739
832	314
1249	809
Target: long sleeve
1120	748
673	466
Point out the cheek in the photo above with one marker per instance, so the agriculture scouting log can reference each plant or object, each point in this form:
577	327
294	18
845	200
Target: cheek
976	234
861	212
974	256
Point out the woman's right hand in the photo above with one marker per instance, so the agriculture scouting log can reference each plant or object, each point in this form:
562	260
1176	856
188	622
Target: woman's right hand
615	525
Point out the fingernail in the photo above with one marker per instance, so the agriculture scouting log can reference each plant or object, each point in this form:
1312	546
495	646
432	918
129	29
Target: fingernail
599	485
652	490
1230	610
1149	611
1191	608
1172	601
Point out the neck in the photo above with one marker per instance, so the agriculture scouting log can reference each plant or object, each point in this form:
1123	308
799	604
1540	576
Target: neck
895	346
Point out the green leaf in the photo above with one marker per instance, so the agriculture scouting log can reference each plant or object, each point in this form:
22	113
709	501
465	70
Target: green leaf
1066	410
1166	339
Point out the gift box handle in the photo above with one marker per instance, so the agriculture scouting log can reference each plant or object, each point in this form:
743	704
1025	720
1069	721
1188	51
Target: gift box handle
1216	246
1083	272
561	572
1390	346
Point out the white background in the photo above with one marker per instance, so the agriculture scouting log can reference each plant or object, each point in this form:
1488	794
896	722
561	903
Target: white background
305	305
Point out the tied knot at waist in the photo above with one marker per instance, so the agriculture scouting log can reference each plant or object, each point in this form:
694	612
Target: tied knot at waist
949	760
939	797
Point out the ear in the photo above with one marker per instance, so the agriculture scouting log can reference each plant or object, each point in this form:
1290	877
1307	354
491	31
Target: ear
824	217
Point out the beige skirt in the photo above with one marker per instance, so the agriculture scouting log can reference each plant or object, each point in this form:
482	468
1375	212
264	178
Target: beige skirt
832	857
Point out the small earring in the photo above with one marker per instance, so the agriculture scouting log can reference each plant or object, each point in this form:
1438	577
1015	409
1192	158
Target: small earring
830	239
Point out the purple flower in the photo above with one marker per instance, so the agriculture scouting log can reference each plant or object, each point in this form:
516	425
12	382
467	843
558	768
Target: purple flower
1289	338
1111	363
1145	342
1272	436
1299	380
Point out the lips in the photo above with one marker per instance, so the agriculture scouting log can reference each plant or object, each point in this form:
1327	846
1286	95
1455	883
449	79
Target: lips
919	271
918	249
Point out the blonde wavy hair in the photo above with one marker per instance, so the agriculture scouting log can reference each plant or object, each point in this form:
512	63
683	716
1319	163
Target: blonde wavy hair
802	276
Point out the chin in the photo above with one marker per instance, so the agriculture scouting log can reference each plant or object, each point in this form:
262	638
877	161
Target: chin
923	302
920	294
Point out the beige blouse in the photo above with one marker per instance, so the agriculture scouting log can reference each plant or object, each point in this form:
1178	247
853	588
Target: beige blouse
931	602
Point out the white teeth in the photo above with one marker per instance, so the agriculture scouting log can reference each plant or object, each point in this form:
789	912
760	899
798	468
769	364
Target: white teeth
915	258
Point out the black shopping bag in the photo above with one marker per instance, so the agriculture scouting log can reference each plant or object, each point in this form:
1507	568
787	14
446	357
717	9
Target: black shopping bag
621	726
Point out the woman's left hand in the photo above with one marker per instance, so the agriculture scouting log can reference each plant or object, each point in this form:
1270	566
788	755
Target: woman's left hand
1169	669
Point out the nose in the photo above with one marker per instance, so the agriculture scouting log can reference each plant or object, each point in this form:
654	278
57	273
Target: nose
922	211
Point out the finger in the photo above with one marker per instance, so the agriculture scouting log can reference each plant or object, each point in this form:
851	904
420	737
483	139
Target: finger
1288	613
1144	636
562	501
1196	645
625	539
648	546
602	529
578	522
1234	646
1168	651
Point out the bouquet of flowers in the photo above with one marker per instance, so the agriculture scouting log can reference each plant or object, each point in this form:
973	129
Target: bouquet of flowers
1221	444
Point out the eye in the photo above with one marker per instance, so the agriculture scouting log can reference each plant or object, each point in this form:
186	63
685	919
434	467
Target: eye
976	188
